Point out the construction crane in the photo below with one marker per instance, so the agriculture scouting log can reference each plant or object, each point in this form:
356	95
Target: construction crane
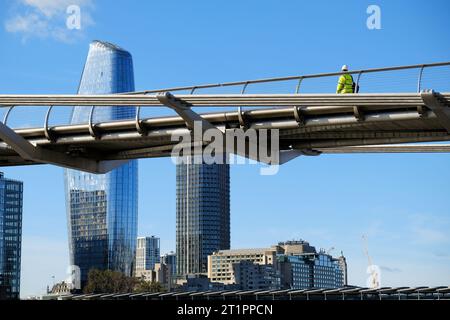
374	279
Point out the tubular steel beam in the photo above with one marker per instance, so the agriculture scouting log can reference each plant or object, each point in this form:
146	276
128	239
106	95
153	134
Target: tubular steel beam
163	128
184	110
424	148
19	144
223	100
37	154
332	143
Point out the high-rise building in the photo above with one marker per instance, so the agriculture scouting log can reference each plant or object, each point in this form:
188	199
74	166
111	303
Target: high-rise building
147	253
11	200
102	208
203	214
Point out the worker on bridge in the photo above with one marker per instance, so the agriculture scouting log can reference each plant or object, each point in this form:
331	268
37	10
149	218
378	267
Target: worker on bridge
345	83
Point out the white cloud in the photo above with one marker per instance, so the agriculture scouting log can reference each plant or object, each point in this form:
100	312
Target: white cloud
47	19
51	8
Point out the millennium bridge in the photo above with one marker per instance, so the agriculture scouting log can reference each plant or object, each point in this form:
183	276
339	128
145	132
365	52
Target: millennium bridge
414	119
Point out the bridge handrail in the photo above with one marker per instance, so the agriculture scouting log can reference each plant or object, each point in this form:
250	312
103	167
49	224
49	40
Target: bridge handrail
300	77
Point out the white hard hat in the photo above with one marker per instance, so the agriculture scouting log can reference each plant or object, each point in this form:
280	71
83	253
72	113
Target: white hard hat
344	67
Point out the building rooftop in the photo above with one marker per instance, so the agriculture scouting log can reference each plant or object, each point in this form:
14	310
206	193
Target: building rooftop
242	251
108	45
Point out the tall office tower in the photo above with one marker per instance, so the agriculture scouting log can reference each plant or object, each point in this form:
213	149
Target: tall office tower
203	214
11	195
102	208
147	253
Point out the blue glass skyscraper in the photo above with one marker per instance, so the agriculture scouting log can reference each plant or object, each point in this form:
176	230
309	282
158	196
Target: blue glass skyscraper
102	209
11	199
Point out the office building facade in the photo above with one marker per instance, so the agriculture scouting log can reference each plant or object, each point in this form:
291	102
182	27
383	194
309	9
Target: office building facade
102	208
11	204
253	276
147	253
221	264
203	214
317	271
170	259
327	272
288	265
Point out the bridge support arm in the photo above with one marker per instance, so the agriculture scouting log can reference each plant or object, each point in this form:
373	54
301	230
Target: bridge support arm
40	155
288	155
436	103
184	110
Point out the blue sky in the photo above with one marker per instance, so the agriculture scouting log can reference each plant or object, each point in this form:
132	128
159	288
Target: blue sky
399	201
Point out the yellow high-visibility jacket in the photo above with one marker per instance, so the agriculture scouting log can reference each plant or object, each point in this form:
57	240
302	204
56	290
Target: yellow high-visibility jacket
345	84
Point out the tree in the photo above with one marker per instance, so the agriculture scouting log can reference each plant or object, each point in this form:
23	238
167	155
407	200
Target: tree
108	281
146	286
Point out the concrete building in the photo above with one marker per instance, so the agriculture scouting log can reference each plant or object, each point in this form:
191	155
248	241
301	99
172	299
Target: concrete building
253	276
163	275
146	275
220	263
11	201
294	247
160	273
147	253
58	290
200	282
287	265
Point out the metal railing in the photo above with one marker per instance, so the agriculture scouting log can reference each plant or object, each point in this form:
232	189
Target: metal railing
300	78
244	86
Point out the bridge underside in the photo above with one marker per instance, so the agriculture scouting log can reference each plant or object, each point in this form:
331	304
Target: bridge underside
307	124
